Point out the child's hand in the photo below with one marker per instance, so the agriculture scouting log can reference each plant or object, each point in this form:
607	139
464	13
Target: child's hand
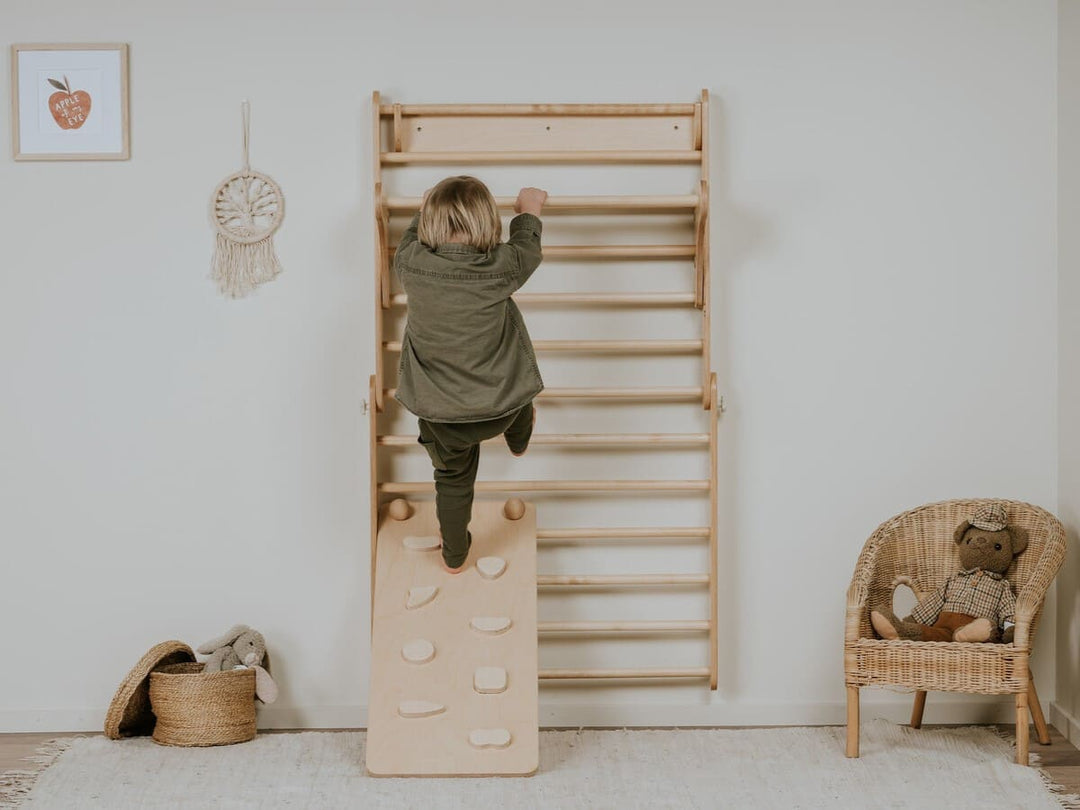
530	201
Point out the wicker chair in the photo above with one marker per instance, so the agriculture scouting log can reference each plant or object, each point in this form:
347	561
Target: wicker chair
917	548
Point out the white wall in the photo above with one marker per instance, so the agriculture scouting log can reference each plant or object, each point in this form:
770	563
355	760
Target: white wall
1066	709
885	328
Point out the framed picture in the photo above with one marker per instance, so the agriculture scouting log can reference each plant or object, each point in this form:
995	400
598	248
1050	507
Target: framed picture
70	102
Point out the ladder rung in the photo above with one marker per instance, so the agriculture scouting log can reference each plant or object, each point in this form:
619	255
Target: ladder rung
593	252
636	394
694	485
624	627
636	204
555	156
538	109
620	251
607	580
601	299
607	674
614	346
620	533
581	439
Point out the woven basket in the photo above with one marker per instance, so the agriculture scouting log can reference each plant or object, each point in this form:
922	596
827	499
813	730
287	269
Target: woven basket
202	708
129	713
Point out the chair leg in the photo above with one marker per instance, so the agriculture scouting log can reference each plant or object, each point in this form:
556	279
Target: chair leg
852	721
1042	733
1021	728
917	709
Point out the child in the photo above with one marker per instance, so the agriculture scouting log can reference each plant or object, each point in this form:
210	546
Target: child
468	370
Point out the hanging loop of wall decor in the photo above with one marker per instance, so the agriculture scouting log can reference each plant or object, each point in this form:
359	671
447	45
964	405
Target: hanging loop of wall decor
245	115
246	209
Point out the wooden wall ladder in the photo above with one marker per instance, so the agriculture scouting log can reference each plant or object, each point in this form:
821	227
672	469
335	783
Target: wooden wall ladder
475	135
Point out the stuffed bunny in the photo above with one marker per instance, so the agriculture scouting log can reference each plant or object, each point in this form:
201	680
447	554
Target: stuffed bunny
241	647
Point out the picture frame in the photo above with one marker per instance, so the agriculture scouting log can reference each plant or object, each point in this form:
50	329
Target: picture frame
70	101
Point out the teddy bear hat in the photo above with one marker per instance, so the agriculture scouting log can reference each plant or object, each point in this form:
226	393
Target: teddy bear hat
990	517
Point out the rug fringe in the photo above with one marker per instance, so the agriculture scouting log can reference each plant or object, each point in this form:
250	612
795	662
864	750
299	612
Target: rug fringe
1068	801
16	785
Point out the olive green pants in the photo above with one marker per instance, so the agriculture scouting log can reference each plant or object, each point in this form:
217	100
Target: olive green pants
454	448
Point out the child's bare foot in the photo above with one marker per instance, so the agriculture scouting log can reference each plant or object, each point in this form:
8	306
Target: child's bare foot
450	570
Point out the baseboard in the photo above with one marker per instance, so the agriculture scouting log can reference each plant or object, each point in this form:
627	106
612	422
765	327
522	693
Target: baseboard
940	708
1064	722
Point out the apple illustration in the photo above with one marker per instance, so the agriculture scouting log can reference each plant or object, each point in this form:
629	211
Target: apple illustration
70	110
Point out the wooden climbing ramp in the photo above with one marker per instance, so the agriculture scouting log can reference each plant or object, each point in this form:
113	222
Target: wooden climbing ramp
454	656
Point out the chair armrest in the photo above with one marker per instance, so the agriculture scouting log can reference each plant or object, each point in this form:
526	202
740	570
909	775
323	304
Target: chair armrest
1031	596
858	594
854	628
1026	607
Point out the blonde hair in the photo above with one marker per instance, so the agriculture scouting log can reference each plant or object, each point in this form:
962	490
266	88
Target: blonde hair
460	206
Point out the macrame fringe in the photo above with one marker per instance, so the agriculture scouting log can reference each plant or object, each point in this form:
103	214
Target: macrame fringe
238	268
15	786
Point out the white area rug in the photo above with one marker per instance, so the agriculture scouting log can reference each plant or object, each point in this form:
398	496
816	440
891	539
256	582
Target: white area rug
691	768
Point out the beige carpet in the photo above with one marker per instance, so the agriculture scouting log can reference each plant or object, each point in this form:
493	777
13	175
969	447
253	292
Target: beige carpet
693	768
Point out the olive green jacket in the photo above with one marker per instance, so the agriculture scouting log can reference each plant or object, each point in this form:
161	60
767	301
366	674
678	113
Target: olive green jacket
466	355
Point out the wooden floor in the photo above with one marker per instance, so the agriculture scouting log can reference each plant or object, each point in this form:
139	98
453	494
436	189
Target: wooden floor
1060	759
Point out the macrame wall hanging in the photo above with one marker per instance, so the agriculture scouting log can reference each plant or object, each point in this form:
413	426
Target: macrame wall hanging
246	209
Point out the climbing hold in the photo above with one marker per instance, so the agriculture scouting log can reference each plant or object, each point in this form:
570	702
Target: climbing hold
427	542
489	738
489	680
419	708
420	596
490	624
418	651
491	567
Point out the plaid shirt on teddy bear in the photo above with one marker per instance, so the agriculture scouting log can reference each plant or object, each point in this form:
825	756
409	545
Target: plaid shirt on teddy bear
975	592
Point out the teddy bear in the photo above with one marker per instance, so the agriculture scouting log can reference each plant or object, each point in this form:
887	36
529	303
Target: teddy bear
241	647
975	602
